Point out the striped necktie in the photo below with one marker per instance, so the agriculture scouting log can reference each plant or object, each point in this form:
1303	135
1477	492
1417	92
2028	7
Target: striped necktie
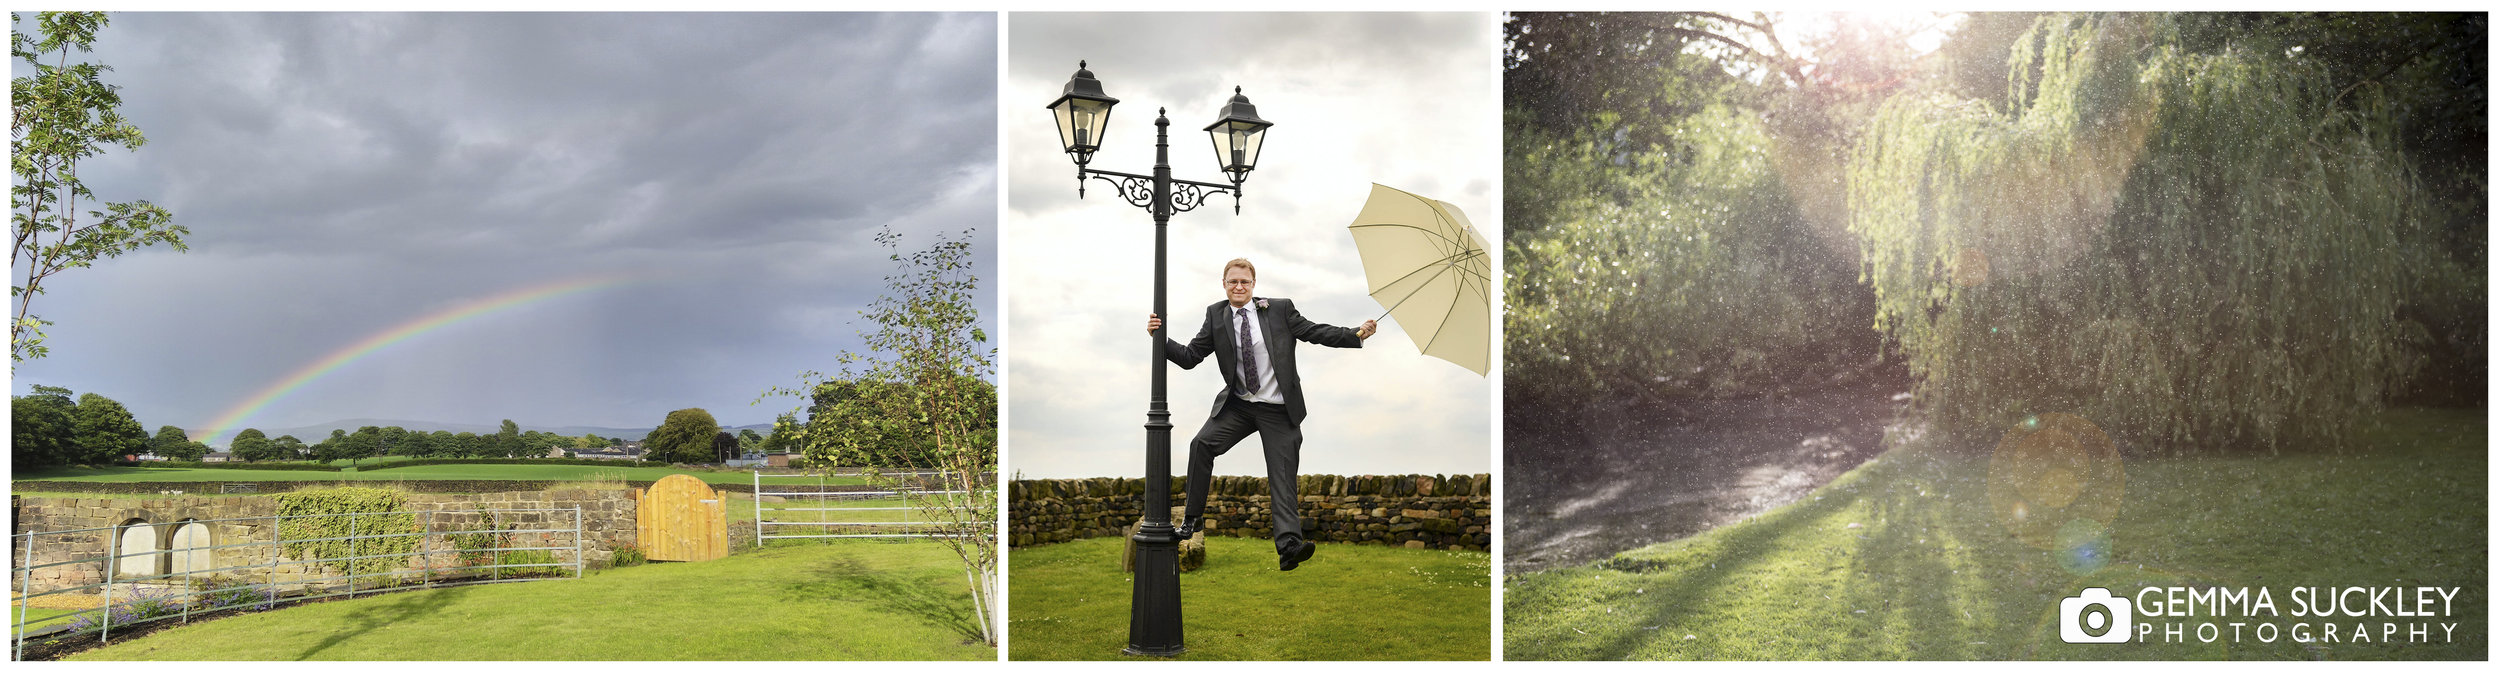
1249	356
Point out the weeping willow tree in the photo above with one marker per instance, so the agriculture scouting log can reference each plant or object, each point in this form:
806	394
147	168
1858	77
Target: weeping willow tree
1677	269
2196	250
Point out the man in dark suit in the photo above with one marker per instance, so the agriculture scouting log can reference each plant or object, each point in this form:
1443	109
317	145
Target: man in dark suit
1252	339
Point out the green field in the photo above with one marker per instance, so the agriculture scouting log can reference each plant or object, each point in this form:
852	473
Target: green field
741	507
417	473
42	618
1903	558
1070	601
847	600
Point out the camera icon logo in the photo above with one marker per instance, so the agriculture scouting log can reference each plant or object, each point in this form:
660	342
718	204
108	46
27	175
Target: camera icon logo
2095	617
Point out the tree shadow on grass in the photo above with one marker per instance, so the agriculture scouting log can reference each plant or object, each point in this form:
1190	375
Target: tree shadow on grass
848	579
1907	572
378	613
1689	589
1931	567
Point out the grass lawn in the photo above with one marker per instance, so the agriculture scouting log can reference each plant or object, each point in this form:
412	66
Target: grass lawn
1903	558
1070	601
741	507
417	473
840	601
40	617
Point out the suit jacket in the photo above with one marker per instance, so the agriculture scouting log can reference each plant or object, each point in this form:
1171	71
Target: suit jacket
1283	326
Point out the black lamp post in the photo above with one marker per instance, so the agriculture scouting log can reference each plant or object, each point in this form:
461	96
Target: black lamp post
1154	617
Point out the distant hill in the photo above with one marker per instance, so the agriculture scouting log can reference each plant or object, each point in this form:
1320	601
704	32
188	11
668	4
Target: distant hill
320	431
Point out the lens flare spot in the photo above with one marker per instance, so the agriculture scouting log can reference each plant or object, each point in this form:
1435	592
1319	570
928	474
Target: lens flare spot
2052	472
2056	487
2082	546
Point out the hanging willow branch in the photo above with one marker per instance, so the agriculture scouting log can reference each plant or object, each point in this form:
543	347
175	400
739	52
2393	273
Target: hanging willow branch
2196	250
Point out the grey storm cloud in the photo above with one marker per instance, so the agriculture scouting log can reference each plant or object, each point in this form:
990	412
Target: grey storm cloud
342	174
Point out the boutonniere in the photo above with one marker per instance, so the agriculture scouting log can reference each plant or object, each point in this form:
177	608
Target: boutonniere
1262	302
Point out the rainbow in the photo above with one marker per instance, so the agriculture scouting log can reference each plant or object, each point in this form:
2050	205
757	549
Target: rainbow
403	332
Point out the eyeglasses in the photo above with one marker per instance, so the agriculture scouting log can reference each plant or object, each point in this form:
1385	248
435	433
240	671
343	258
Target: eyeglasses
1238	281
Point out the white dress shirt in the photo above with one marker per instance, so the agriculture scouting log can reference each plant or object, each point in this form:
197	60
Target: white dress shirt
1265	388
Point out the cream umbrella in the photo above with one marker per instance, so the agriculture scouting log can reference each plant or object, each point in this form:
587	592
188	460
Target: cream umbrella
1428	266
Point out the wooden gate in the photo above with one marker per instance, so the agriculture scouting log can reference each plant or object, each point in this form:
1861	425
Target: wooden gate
681	519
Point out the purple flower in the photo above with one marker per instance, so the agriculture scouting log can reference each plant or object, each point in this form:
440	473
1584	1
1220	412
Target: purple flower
1262	303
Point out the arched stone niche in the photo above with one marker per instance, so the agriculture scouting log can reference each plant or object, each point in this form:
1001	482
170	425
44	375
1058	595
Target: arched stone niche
140	553
189	550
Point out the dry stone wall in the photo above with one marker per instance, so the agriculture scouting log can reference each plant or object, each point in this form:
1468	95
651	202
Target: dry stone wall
282	486
607	517
1423	511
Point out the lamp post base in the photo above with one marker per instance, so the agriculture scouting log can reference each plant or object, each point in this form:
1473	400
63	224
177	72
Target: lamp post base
1154	624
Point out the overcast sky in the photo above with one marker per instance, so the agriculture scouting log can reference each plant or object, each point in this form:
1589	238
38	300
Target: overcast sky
1405	100
342	174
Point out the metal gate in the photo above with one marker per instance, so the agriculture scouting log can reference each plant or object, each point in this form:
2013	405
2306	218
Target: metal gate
201	574
680	518
821	506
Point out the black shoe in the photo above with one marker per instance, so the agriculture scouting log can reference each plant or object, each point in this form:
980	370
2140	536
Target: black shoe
1292	557
1189	530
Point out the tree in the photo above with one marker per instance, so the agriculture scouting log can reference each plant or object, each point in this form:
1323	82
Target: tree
2197	246
507	440
42	429
250	445
590	441
415	444
784	437
166	437
684	437
287	447
924	379
61	114
332	448
172	444
1648	200
106	431
724	447
394	441
364	443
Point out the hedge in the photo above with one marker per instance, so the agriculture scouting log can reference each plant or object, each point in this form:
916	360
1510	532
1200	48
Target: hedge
282	467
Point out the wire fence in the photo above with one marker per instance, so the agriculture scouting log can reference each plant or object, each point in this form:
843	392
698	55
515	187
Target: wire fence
191	575
813	507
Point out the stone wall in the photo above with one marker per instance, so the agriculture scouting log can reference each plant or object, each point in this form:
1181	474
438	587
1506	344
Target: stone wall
607	521
414	486
1436	512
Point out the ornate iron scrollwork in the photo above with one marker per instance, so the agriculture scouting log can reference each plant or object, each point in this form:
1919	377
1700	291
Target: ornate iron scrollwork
1138	192
1187	197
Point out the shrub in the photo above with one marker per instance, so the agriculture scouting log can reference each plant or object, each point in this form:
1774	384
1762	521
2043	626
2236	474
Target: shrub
143	605
512	461
627	556
475	548
337	523
219	593
282	467
1668	274
525	557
